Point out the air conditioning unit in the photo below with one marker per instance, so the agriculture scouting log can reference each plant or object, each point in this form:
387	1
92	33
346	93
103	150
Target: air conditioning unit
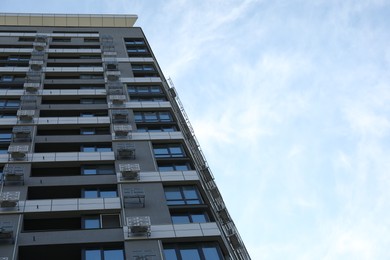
6	233
130	171
117	99
125	151
113	75
33	77
39	46
31	87
36	65
41	38
119	116
134	197
21	133
25	115
29	101
9	199
122	130
13	173
234	241
18	152
114	88
224	215
111	66
206	173
138	225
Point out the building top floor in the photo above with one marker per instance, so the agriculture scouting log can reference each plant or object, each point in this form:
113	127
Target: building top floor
67	20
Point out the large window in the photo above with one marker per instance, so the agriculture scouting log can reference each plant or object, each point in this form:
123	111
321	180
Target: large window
177	166
151	117
162	128
189	217
97	169
99	193
168	151
103	254
10	103
140	90
100	221
193	251
182	195
5	136
94	131
96	148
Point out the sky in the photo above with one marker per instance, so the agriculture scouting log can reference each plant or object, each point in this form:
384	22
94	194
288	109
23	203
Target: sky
290	101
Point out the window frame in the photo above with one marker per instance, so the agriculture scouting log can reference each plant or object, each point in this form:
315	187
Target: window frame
182	198
199	247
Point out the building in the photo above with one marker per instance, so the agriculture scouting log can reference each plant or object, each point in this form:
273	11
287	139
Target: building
98	158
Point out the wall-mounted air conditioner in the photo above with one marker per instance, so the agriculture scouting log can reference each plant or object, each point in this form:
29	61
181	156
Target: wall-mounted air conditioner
113	75
31	87
122	130
138	225
6	233
25	115
18	152
36	65
13	173
9	199
119	116
39	46
129	171
117	100
133	197
125	151
21	133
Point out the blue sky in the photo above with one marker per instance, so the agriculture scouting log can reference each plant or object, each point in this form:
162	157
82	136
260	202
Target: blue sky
289	99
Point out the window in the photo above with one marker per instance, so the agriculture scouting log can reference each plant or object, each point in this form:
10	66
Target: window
169	128
182	195
7	78
193	251
168	151
91	76
5	136
129	41
26	39
98	169
10	103
96	148
103	254
91	39
3	149
143	67
61	39
179	166
190	217
7	115
144	89
100	221
92	101
99	193
95	131
149	117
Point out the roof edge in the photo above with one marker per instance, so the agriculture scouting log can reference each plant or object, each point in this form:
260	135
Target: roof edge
69	20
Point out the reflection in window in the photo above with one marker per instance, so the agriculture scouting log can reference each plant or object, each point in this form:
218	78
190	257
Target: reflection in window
179	166
96	148
190	217
192	251
149	117
104	254
169	128
97	169
168	151
182	195
99	193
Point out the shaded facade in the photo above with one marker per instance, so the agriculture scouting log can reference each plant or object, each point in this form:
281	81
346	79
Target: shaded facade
98	159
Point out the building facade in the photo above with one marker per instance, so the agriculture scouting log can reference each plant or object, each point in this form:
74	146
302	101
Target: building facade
97	157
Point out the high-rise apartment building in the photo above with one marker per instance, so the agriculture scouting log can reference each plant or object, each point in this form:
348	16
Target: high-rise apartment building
97	156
